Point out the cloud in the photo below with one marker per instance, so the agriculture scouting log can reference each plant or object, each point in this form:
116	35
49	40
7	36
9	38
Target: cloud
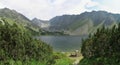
1	5
90	4
109	5
46	9
59	2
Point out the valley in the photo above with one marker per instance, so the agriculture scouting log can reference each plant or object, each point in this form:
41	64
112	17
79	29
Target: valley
86	38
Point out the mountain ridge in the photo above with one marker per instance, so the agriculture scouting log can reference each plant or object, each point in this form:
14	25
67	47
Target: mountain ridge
12	14
40	23
81	24
72	23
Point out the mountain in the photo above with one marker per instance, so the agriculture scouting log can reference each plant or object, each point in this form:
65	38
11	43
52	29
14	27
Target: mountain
84	23
40	23
34	26
13	16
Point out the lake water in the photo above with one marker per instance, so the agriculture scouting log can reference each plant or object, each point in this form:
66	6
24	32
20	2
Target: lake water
63	43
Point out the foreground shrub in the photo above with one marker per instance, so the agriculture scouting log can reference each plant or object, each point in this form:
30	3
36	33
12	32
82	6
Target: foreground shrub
16	44
102	48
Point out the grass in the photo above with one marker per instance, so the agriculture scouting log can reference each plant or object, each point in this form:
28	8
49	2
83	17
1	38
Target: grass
60	59
12	62
64	59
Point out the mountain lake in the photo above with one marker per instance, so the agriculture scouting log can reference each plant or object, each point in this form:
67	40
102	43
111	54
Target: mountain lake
63	43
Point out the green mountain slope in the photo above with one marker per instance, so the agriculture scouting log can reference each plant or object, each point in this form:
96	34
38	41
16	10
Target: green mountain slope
84	23
13	16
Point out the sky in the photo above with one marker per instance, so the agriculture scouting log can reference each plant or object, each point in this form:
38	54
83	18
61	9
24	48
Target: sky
47	9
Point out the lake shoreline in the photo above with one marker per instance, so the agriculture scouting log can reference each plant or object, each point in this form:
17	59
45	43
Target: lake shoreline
63	43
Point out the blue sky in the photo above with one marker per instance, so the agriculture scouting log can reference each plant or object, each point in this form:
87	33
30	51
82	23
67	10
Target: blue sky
47	9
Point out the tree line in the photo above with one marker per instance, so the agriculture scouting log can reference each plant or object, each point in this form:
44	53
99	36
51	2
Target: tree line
17	44
102	47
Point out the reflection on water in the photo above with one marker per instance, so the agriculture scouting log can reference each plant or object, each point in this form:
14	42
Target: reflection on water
63	43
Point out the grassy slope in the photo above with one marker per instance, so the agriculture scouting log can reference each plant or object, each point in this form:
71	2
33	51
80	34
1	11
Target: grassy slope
62	59
86	27
81	27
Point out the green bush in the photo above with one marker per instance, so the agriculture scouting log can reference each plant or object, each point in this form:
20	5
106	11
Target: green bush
102	47
18	46
100	61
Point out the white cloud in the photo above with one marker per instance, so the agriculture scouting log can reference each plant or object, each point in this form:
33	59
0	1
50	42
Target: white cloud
91	4
46	9
1	5
109	5
58	2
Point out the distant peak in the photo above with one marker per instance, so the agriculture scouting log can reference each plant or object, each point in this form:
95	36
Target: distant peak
100	11
93	12
5	9
35	18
